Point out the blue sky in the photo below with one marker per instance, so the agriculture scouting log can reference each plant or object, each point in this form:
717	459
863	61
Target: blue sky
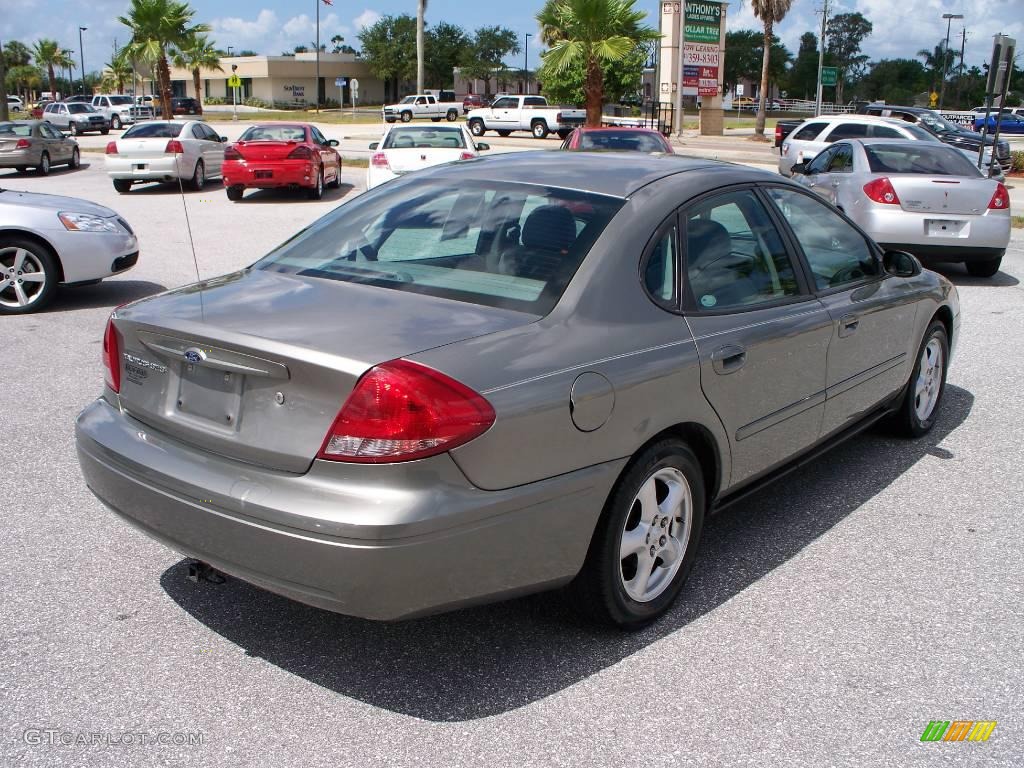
272	26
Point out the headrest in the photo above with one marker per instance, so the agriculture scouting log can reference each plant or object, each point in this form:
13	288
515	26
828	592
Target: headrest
550	228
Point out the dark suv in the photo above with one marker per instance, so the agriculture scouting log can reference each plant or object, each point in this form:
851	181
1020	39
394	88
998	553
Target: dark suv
944	130
182	105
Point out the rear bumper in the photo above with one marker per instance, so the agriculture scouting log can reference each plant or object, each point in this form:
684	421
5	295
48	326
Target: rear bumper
386	543
282	173
979	237
158	168
20	157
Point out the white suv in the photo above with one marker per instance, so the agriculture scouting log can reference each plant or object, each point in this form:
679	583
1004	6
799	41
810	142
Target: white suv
816	134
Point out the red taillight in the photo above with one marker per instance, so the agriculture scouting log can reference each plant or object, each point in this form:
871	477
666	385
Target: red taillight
778	134
111	357
881	191
380	160
1000	199
400	411
230	153
301	153
466	156
23	144
174	148
111	147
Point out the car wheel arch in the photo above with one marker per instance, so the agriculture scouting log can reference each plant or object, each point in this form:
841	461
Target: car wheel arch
945	315
28	234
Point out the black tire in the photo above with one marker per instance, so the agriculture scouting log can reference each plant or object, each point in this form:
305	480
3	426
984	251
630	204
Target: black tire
908	421
539	129
73	129
504	133
105	131
476	127
452	115
235	192
389	119
599	587
406	117
198	179
115	123
21	169
123	186
76	159
564	134
316	192
44	261
986	268
44	164
336	184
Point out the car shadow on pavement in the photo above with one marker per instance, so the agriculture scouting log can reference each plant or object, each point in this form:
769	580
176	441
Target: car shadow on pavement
958	275
108	293
485	661
293	195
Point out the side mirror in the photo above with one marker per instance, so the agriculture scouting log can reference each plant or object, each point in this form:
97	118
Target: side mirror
223	139
332	142
481	147
901	264
798	169
374	145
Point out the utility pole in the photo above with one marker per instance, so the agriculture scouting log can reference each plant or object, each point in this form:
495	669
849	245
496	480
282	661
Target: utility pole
682	68
316	87
4	114
821	55
945	55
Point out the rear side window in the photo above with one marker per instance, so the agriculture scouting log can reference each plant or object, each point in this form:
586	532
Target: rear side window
424	138
885	132
809	132
660	269
512	246
848	131
153	131
927	159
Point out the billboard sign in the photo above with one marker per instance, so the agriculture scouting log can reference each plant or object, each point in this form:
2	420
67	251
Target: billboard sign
703	22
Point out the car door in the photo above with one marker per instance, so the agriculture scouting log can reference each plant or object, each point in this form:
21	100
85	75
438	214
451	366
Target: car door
59	116
57	144
761	336
830	169
869	357
211	153
504	114
328	155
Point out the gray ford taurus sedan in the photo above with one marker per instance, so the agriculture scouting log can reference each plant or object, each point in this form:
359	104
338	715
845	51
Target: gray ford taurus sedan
507	375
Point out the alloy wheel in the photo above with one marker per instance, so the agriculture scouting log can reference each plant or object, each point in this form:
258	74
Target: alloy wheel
22	277
929	380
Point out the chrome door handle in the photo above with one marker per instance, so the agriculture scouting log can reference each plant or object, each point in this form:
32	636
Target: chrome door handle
728	359
848	325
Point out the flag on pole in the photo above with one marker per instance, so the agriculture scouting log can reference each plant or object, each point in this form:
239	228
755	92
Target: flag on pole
328	2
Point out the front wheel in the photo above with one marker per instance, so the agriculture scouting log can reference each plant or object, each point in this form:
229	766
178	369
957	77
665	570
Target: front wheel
115	123
28	275
76	159
646	540
539	129
235	193
476	127
44	164
986	268
927	383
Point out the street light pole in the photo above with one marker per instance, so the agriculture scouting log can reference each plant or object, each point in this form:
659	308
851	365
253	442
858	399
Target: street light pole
526	64
945	54
821	56
81	52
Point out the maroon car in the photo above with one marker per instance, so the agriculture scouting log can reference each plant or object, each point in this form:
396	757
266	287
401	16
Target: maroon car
473	101
617	139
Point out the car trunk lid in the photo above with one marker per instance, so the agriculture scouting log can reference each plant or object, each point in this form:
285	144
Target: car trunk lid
265	150
942	194
256	365
142	148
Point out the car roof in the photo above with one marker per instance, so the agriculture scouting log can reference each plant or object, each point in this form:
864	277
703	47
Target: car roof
854	118
914	110
616	128
604	173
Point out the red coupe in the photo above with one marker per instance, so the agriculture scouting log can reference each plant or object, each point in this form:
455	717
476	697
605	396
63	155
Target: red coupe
618	139
281	155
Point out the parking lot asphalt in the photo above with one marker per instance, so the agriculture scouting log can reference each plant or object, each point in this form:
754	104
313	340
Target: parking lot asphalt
827	621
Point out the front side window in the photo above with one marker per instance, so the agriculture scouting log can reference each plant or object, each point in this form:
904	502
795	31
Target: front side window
837	254
820	162
317	136
842	160
503	104
512	246
735	257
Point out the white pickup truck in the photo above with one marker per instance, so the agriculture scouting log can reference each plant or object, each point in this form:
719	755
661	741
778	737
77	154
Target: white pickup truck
524	113
421	106
120	110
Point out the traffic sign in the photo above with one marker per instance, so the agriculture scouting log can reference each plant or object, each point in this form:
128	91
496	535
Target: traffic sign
933	98
234	81
355	84
829	75
339	82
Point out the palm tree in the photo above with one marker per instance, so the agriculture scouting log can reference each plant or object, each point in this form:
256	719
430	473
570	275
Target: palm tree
119	69
936	61
589	33
770	12
157	25
420	13
197	53
47	53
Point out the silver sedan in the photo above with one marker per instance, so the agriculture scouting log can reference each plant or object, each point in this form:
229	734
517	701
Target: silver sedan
26	144
506	375
921	197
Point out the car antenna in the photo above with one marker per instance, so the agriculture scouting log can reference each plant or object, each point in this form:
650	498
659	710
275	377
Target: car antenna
188	228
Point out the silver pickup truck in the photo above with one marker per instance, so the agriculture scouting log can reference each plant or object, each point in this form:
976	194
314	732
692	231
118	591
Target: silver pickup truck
120	110
525	113
422	106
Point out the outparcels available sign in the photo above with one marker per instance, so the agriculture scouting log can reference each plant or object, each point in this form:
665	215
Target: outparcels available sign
703	22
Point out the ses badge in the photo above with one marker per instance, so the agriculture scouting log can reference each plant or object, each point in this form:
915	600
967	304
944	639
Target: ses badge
138	368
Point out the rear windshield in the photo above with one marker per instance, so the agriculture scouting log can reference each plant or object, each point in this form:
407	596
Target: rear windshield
15	129
274	133
630	141
424	138
153	131
76	109
927	159
502	245
118	100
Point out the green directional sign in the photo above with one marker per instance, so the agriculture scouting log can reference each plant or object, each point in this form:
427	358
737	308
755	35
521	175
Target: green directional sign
703	22
829	75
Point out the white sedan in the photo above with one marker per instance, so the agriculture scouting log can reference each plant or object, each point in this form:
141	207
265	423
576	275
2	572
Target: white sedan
407	148
165	150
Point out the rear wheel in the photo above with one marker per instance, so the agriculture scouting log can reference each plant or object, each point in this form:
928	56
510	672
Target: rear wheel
74	129
235	192
435	119
115	123
452	115
28	276
317	191
986	268
646	540
927	383
198	176
406	117
476	127
76	159
539	129
123	186
105	131
44	164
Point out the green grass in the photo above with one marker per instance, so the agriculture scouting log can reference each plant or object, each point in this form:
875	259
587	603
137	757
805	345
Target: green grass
1018	222
337	118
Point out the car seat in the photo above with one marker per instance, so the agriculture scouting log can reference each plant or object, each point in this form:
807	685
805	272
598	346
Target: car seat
548	235
714	272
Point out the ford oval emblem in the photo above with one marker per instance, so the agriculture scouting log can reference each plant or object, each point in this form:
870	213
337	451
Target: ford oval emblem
194	355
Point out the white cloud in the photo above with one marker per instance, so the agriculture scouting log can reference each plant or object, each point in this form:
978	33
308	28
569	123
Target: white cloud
366	19
270	35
